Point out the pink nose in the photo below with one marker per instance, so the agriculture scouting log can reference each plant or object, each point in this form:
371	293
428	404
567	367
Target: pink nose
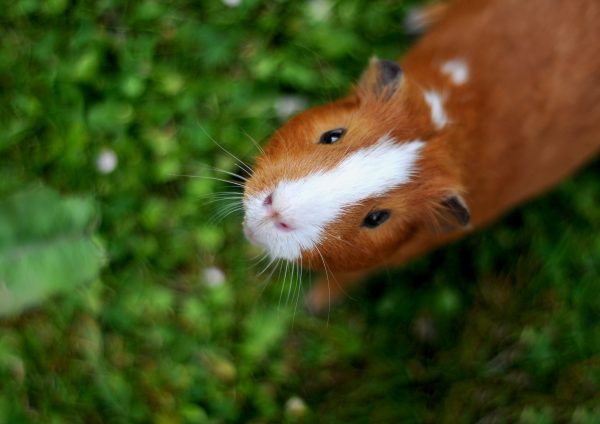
274	214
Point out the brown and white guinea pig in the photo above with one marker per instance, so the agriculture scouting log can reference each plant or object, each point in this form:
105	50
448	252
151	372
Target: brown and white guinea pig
497	103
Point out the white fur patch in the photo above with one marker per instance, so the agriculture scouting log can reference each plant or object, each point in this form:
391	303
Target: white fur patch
436	105
309	203
457	70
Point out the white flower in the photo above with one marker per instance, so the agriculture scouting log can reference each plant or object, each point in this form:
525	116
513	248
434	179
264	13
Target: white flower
295	407
232	3
106	161
286	106
213	276
319	9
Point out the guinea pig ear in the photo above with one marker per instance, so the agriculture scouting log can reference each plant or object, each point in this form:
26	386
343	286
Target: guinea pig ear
381	79
454	213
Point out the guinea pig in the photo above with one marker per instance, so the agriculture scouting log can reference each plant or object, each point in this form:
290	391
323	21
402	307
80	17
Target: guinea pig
488	109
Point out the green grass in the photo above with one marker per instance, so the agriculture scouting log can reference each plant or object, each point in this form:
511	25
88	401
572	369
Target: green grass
501	327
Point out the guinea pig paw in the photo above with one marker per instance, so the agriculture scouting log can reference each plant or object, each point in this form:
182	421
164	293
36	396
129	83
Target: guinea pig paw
319	299
330	290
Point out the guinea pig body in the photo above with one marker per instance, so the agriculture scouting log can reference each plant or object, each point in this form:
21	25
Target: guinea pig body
499	102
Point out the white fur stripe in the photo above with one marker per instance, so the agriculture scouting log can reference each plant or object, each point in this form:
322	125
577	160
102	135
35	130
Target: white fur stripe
310	203
436	106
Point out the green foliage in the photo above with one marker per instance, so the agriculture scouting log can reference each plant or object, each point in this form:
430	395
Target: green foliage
121	102
45	248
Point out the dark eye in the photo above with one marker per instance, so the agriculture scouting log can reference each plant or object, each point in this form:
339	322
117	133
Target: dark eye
332	136
376	218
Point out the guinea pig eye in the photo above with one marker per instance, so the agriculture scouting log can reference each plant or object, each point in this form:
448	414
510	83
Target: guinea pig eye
376	218
332	136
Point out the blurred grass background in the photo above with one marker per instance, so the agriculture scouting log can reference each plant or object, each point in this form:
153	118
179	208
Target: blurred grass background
110	103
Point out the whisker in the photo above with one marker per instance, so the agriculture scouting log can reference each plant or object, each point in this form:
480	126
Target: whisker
226	211
237	200
267	267
242	163
233	174
228	204
206	177
328	283
287	301
222	193
231	208
328	234
299	292
276	267
283	285
260	149
231	203
259	258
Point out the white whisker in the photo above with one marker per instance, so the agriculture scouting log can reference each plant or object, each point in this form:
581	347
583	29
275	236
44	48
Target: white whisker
294	270
260	149
242	163
226	211
233	174
299	292
283	284
277	266
328	284
237	200
206	177
268	265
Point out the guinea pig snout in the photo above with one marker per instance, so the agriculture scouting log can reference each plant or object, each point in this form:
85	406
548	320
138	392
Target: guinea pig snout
274	214
276	220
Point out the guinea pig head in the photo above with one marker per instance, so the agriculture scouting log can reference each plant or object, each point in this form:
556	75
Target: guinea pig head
347	184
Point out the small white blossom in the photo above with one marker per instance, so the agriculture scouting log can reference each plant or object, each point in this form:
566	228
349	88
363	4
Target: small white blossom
106	161
286	106
319	9
232	3
213	276
295	407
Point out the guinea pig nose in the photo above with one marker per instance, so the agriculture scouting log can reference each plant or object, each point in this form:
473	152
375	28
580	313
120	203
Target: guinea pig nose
269	200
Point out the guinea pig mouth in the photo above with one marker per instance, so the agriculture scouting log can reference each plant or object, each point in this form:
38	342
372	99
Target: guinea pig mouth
276	240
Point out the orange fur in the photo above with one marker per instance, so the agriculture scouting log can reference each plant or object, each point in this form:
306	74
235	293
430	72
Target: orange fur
528	116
